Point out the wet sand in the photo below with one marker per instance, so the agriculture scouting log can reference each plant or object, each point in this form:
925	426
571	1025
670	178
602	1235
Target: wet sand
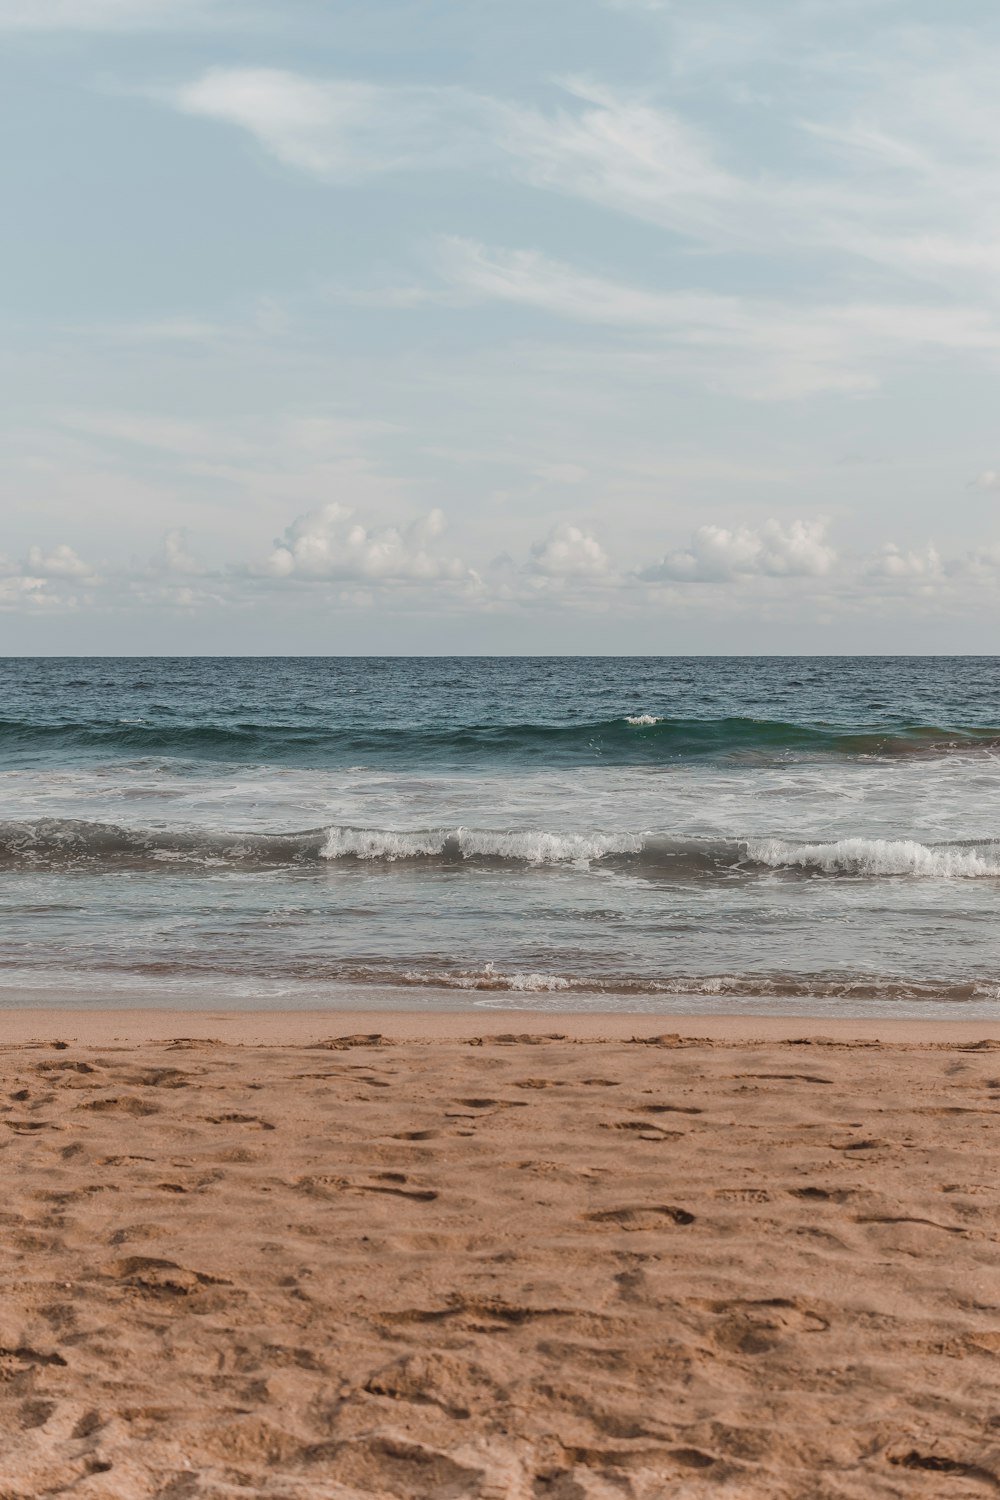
497	1255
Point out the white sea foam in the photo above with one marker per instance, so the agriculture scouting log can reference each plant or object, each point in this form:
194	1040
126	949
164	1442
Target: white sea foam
381	843
862	856
540	848
534	846
489	978
641	719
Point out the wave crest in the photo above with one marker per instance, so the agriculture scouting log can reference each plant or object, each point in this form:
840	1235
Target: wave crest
530	846
70	843
860	856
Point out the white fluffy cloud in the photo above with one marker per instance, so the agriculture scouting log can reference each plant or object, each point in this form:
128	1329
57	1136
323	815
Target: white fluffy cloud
895	562
19	592
365	565
570	552
61	562
720	553
45	580
175	557
330	543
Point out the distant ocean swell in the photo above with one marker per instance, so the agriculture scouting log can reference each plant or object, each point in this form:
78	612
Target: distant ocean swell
67	843
639	738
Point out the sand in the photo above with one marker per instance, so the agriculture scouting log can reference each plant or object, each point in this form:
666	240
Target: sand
497	1256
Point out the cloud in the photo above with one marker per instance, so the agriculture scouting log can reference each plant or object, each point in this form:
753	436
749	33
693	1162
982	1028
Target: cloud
45	580
892	165
720	554
874	197
174	556
980	563
897	172
893	562
570	552
751	346
340	129
61	562
610	148
989	479
628	155
365	566
330	543
21	592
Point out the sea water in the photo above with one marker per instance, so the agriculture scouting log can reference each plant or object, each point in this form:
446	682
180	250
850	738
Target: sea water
798	834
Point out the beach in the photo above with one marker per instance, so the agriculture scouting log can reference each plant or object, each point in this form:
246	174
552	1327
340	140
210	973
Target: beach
498	1254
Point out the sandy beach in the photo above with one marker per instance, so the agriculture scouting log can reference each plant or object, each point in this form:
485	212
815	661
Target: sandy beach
501	1256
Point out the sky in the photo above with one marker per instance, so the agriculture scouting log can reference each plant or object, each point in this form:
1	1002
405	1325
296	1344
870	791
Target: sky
500	326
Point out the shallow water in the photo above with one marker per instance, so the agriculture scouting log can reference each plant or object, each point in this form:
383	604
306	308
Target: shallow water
555	831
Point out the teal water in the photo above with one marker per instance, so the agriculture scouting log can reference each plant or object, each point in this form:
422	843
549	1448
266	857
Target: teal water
799	833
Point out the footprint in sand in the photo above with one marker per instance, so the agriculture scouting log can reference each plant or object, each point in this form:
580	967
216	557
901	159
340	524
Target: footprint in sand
238	1119
121	1104
641	1217
645	1130
157	1277
756	1327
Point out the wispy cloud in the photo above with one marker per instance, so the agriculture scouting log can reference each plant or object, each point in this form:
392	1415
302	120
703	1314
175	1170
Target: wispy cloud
890	168
340	129
757	347
896	173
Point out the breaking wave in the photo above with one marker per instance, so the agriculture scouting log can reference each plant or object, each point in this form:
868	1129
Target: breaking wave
67	843
880	857
532	847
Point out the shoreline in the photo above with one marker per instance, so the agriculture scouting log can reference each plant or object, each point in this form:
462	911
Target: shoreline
102	1025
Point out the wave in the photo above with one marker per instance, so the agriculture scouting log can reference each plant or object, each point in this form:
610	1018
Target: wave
879	857
640	738
72	843
530	846
775	986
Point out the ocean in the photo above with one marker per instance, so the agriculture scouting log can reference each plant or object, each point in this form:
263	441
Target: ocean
778	835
